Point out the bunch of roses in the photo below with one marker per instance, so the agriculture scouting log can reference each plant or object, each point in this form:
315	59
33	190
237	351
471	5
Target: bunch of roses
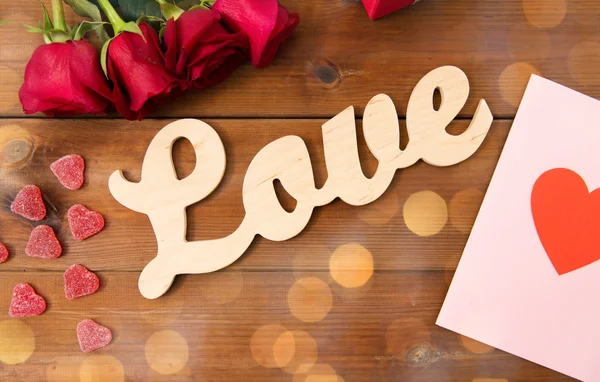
200	47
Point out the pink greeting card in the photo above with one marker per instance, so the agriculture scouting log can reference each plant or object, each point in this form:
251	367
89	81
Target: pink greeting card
529	281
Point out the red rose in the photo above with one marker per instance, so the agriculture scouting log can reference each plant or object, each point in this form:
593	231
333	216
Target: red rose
200	50
64	79
136	67
266	23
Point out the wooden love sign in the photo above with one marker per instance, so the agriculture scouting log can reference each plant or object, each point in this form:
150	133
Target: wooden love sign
163	197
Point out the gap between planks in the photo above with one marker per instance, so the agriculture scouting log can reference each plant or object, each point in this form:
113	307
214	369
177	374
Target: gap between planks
254	270
237	118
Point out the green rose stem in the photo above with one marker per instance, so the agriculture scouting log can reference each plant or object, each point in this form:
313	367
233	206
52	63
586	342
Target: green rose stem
111	14
58	15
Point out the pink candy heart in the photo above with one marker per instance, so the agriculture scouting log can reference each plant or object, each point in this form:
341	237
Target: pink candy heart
92	335
25	302
83	222
69	171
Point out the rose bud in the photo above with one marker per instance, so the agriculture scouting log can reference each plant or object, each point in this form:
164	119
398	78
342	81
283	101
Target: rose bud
266	23
200	50
64	77
135	64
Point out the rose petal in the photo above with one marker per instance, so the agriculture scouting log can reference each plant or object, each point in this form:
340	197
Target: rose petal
137	69
65	79
255	18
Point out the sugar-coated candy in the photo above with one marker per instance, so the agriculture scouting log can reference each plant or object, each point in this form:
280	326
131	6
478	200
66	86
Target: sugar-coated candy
29	203
43	243
80	281
92	335
69	171
3	253
83	222
25	302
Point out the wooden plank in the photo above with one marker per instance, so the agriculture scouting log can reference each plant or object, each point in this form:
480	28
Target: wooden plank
391	337
128	242
338	57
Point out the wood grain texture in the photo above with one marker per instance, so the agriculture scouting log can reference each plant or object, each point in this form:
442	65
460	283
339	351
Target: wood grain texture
381	331
379	342
127	243
338	57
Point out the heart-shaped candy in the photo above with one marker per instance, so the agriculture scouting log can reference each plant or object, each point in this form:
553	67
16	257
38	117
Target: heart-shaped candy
29	203
79	282
567	219
69	171
25	302
92	335
83	222
43	243
3	253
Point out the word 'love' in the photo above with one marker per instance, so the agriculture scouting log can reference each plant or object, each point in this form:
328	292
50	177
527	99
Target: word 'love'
163	197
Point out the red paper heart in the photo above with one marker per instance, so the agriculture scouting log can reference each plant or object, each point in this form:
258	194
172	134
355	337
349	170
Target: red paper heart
83	222
567	219
43	243
92	335
69	171
379	8
79	282
25	302
29	203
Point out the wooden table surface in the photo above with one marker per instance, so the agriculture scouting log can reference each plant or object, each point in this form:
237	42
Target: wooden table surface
282	312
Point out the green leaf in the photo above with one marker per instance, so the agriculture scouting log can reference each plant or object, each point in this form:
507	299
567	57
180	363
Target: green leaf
47	22
104	56
149	19
85	26
171	11
204	4
30	28
57	35
33	29
161	32
132	10
133	28
85	8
